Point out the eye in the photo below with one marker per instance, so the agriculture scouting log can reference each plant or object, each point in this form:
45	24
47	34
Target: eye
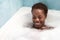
34	17
39	17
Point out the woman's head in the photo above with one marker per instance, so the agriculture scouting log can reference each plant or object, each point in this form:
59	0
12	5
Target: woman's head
39	13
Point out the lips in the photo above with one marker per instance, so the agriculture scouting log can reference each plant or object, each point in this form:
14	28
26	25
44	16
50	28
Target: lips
37	23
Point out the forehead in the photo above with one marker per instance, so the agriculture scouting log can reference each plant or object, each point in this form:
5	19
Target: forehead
38	12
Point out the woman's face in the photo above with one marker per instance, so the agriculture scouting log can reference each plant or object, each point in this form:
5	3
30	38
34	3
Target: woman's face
38	18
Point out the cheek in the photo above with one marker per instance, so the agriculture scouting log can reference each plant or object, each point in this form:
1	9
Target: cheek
42	19
33	20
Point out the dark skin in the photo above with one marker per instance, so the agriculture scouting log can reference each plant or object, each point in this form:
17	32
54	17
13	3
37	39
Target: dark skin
39	19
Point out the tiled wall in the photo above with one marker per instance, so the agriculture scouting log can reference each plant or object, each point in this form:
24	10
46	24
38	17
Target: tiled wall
7	9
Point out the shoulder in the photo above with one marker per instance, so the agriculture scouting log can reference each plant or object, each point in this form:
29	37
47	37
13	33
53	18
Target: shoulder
46	27
49	27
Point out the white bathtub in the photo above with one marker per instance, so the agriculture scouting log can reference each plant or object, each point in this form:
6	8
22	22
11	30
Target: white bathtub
15	28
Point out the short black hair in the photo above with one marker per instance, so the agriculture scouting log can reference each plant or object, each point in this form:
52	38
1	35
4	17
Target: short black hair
40	6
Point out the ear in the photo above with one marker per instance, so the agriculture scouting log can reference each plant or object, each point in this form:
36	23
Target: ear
46	16
31	10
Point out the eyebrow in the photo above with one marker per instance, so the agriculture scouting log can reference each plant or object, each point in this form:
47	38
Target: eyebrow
39	15
33	15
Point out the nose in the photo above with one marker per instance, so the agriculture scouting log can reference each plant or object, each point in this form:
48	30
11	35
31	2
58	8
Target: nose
37	20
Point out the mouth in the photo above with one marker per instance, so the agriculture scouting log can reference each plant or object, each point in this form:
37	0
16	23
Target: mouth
37	23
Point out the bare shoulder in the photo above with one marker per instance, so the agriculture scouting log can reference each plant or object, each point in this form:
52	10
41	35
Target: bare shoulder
46	27
49	27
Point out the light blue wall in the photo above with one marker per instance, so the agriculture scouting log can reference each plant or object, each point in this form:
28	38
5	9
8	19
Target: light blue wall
30	2
7	9
52	4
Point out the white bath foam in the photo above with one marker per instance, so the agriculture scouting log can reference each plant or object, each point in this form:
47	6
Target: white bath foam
14	28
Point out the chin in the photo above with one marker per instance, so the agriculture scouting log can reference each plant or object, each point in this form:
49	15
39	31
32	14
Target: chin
37	26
